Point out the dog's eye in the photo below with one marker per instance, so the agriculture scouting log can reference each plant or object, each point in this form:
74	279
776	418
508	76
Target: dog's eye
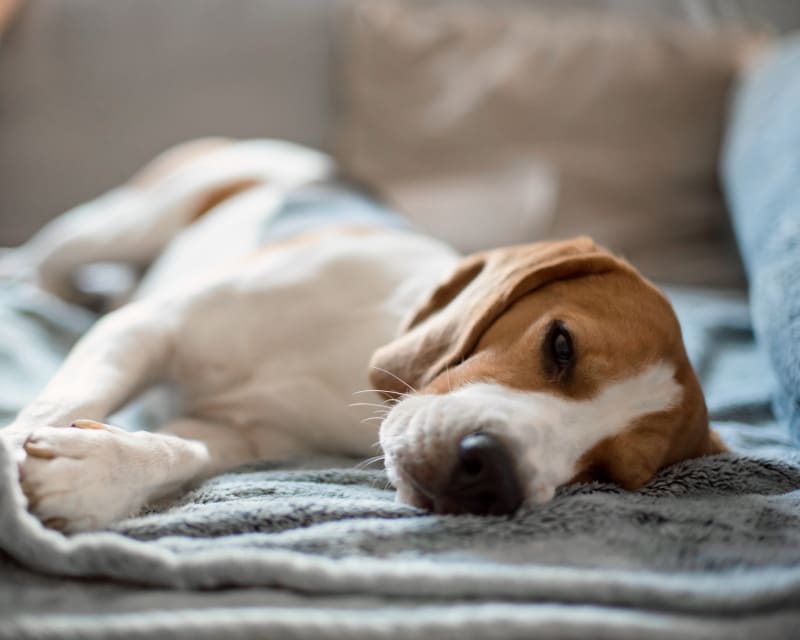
560	345
562	349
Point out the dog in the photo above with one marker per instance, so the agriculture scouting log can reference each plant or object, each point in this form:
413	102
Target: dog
496	377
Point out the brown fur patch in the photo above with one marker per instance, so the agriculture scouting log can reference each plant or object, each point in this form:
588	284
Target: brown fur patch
214	198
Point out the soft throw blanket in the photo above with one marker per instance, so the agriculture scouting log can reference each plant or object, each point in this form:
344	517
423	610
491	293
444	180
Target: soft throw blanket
319	548
761	168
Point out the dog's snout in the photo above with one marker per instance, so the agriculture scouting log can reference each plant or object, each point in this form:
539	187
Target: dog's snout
483	480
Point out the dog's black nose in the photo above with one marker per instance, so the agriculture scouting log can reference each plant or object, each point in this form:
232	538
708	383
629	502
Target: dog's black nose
483	481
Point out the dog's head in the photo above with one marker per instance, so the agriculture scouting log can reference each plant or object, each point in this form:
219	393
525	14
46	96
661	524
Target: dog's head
532	367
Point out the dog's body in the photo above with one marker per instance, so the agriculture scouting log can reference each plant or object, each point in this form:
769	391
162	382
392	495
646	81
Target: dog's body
267	345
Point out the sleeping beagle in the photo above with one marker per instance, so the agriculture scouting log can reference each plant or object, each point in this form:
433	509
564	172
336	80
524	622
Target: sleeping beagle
495	378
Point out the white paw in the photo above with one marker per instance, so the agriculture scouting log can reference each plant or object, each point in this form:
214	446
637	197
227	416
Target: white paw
81	477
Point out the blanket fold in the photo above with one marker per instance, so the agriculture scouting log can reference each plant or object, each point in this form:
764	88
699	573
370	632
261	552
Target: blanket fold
711	548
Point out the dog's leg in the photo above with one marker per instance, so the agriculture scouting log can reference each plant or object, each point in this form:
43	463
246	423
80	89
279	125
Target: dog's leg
133	223
80	474
129	224
125	352
88	476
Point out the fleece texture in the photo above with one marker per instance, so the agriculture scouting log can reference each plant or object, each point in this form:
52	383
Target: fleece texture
319	548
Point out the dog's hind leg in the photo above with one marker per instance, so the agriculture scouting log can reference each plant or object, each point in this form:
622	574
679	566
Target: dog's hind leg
129	224
133	223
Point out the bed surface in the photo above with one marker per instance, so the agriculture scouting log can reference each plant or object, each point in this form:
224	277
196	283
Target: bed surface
308	548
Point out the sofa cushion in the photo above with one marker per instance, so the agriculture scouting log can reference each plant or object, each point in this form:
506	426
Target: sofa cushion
505	124
761	171
91	90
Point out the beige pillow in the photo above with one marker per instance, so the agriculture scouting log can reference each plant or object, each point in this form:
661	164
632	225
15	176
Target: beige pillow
491	125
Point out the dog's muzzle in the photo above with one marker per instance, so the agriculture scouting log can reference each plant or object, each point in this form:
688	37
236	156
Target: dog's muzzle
483	480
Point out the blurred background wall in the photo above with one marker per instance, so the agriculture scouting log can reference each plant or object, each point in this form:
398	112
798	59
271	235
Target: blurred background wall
91	89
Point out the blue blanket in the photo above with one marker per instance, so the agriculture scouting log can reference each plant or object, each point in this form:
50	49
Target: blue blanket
761	169
309	548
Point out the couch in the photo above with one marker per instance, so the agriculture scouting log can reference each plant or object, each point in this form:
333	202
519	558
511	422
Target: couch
318	547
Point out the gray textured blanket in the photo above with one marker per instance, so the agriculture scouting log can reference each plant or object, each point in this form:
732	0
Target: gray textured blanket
319	548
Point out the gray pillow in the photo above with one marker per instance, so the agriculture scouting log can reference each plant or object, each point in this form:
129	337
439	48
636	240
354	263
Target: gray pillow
503	124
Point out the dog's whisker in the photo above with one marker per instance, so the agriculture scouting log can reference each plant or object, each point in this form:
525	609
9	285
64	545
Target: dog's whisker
396	377
389	391
367	404
373	418
375	483
369	461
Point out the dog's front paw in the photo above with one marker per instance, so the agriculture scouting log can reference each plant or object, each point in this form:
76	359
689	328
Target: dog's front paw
78	478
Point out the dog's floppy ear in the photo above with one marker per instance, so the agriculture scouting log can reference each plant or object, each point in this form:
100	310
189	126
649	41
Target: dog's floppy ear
448	325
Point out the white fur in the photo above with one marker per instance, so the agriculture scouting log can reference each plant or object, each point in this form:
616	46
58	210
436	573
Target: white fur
546	435
266	352
265	349
80	479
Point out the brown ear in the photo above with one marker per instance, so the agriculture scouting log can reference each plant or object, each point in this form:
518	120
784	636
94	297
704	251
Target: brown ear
447	326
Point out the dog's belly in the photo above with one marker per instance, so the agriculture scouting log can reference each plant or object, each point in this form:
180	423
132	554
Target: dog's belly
280	343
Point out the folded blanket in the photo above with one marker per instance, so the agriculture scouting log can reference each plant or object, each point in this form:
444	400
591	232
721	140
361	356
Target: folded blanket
710	549
761	169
